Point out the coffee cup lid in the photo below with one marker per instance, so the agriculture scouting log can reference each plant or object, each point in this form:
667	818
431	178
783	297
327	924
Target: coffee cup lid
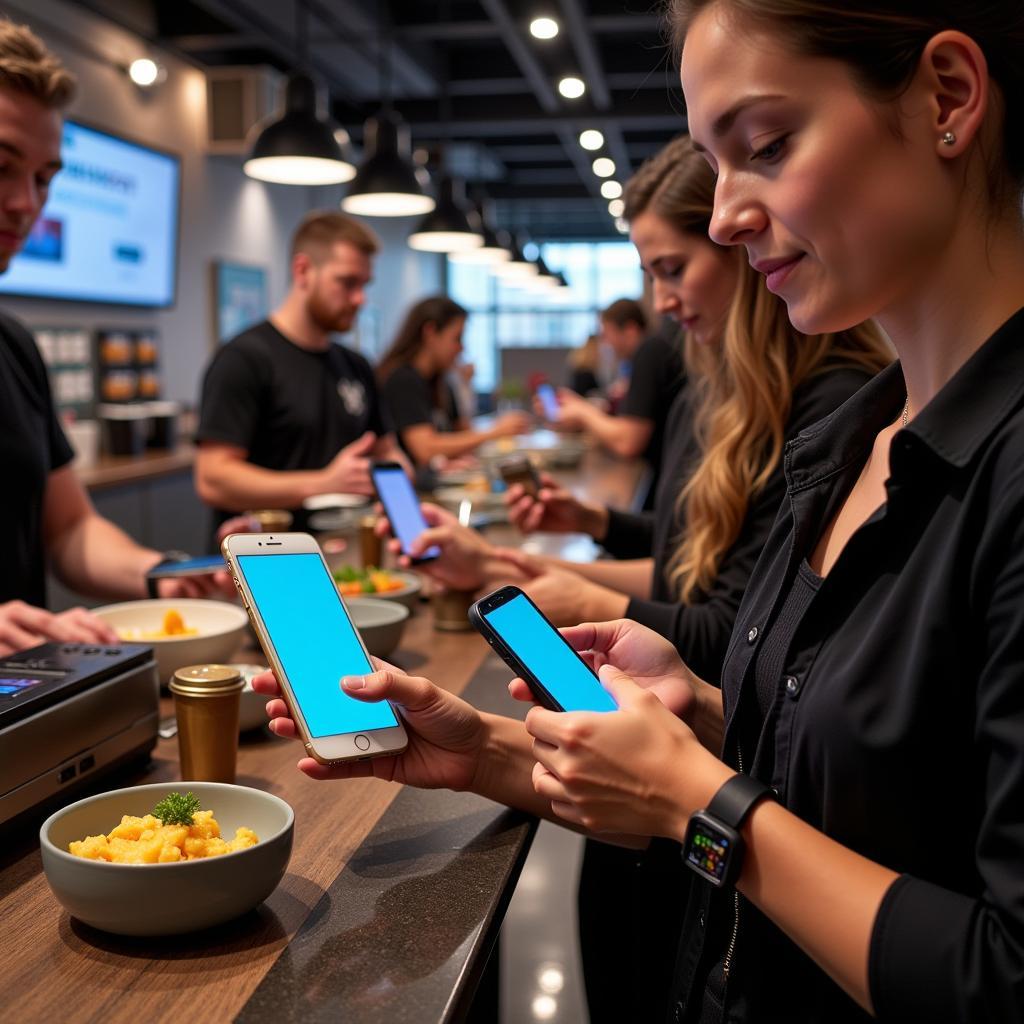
206	680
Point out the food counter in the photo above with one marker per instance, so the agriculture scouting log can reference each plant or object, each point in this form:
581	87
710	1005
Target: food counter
390	907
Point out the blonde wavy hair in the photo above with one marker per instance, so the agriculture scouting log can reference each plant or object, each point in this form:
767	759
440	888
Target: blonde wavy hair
743	387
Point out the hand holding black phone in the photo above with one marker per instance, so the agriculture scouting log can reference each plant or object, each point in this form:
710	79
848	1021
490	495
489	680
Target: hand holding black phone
534	649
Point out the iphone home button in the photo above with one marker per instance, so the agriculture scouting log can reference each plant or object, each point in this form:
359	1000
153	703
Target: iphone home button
363	742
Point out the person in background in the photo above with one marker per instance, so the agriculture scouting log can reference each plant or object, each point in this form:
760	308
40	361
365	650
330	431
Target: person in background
584	362
417	394
286	413
47	517
656	375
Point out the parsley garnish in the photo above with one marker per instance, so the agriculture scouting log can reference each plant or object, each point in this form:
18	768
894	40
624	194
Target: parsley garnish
176	809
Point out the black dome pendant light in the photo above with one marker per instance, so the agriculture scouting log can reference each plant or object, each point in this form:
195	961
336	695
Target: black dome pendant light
299	147
452	226
386	184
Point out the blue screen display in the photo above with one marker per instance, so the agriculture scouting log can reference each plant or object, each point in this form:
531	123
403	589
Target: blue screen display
109	232
548	399
542	650
402	507
315	641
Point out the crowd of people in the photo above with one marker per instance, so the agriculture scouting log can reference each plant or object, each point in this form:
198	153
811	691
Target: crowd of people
814	634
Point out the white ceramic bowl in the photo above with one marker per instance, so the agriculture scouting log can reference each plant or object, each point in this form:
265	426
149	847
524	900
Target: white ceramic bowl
252	707
167	899
380	623
221	629
317	502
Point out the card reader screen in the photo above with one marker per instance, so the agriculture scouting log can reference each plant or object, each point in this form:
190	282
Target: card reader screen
14	687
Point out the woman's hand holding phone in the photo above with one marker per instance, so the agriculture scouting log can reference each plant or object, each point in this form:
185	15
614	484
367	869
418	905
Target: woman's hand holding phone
650	660
446	735
554	510
461	564
640	771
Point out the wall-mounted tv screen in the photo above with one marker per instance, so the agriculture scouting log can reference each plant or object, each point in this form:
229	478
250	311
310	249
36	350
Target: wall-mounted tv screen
109	230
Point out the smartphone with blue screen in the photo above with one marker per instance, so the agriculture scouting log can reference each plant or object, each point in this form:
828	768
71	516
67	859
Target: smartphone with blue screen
401	506
201	566
310	641
548	401
527	642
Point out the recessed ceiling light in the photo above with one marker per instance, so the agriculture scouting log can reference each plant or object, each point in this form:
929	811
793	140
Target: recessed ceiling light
143	71
543	28
572	88
603	167
591	139
621	226
616	207
611	189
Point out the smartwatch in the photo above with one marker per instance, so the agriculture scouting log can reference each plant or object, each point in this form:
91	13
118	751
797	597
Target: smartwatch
169	558
713	846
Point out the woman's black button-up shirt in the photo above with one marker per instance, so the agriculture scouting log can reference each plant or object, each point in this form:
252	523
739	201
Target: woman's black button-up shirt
897	725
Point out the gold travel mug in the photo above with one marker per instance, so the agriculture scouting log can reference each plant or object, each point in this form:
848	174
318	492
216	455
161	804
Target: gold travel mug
206	704
271	520
370	545
451	610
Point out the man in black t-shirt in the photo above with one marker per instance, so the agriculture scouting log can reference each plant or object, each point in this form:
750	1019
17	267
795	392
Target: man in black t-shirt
285	412
46	514
656	376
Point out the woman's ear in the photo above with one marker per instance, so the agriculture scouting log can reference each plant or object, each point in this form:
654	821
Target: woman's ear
954	73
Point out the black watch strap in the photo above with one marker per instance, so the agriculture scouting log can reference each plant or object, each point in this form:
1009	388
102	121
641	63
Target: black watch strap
736	798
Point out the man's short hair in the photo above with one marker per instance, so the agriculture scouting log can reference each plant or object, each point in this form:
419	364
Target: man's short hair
625	311
322	229
28	67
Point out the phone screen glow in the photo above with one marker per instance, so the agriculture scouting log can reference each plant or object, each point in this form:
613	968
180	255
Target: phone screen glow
540	647
548	399
315	641
402	508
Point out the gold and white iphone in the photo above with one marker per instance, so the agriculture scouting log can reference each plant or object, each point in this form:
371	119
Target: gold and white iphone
310	641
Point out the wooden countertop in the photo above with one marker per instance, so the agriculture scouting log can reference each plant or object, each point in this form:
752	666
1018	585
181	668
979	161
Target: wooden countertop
388	910
114	470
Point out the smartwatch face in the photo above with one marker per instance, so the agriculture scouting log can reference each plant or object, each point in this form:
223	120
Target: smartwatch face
707	850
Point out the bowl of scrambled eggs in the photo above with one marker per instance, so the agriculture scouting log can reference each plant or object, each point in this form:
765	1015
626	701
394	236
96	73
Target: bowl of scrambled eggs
114	865
183	631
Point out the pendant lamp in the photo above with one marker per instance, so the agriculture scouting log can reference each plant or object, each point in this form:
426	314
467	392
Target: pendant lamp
386	184
452	226
518	267
496	247
300	147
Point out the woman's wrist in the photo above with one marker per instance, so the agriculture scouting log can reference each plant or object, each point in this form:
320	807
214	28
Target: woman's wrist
708	719
594	521
602	604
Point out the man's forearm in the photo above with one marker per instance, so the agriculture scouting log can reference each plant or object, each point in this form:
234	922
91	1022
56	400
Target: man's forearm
238	486
97	558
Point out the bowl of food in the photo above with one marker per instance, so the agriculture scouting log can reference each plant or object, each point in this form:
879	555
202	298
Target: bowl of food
182	631
225	861
384	584
380	623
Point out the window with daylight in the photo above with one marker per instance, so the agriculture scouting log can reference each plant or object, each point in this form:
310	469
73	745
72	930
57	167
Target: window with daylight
503	315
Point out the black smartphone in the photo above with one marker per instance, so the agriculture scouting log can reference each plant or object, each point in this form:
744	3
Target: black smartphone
524	639
401	506
519	470
190	567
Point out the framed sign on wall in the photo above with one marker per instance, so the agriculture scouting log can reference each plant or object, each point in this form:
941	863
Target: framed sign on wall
240	297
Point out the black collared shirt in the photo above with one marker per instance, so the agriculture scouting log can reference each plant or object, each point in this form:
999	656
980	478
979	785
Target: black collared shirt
897	726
